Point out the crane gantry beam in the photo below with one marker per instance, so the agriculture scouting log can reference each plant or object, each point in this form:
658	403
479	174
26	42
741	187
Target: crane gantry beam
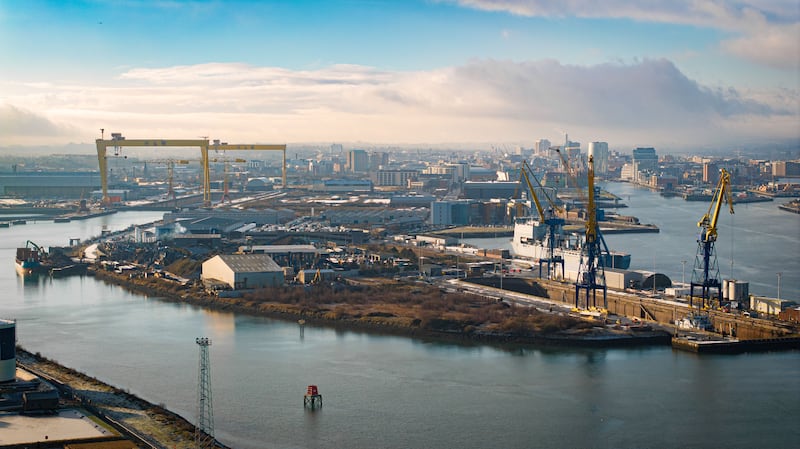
118	141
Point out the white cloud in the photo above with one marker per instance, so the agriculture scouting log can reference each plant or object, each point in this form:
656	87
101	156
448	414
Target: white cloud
21	124
646	102
765	31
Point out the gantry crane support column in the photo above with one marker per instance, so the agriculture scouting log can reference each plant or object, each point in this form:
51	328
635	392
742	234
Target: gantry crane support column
102	145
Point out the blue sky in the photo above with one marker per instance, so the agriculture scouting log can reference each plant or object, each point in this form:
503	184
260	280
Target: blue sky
669	73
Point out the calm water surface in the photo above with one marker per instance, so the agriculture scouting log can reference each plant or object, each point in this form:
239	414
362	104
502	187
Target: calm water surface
391	392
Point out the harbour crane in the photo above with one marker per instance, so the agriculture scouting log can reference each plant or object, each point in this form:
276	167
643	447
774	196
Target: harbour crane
705	274
170	175
591	274
567	167
550	219
118	141
226	185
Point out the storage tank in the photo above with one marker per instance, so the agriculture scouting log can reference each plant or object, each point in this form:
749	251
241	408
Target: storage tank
8	350
734	290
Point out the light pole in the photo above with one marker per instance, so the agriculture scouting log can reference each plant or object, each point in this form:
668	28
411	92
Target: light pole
683	272
501	274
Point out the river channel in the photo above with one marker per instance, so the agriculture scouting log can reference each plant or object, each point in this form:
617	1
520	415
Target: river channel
386	391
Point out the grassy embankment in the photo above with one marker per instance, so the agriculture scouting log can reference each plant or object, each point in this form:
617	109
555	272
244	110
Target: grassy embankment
416	309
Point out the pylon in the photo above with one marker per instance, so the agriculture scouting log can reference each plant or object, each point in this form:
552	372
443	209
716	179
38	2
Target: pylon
204	430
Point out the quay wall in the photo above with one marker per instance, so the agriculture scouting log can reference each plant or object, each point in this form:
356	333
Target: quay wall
666	313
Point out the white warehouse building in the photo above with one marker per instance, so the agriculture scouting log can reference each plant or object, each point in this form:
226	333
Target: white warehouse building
243	271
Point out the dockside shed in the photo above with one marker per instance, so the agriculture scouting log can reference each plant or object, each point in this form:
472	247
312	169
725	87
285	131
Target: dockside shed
243	271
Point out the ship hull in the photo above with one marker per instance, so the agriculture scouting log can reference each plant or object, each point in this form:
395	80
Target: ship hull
530	242
26	266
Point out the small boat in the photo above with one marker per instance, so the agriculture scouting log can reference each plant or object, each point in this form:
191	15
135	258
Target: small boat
67	270
695	321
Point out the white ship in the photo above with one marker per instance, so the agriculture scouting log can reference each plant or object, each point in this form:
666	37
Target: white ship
532	241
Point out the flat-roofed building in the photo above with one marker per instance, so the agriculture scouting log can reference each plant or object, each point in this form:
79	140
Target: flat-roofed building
49	184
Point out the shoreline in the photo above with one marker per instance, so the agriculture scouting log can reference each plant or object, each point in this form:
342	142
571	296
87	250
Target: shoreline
141	421
582	338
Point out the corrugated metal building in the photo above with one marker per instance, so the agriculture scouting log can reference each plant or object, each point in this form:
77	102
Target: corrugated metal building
243	271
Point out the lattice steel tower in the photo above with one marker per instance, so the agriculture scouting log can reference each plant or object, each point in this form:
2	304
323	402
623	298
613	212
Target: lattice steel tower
204	430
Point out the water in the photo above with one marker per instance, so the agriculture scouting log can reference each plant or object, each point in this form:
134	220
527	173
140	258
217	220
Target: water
393	392
760	239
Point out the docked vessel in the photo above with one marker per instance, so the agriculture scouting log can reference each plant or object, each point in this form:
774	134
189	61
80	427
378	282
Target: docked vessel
531	241
29	259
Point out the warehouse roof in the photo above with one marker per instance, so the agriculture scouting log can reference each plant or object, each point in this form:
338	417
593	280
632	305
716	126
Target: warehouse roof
250	263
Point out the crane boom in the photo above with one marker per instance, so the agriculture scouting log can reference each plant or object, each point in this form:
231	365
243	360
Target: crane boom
591	212
567	167
533	193
709	220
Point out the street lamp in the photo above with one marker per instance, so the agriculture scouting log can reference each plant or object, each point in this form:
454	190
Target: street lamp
683	273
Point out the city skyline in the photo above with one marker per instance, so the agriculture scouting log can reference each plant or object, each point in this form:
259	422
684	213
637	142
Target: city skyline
675	75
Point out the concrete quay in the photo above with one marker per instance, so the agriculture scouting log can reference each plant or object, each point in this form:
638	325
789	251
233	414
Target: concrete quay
666	311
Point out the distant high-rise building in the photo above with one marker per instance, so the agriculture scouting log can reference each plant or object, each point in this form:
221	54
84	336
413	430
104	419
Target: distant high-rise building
710	173
645	158
337	148
786	169
599	151
394	177
358	161
541	147
378	160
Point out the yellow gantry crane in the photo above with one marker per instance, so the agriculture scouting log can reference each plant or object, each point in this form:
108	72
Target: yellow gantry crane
117	142
705	274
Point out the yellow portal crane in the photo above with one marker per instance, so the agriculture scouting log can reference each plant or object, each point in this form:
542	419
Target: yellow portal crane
551	220
223	146
225	185
591	274
567	167
117	141
170	173
705	274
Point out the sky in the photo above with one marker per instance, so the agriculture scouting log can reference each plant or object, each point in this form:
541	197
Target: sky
674	74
